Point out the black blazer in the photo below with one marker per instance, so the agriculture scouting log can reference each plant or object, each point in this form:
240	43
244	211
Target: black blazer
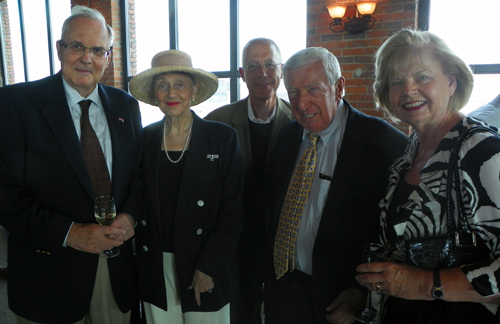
351	215
45	186
208	216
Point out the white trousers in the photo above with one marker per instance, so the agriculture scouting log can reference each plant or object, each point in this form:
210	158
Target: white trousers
174	315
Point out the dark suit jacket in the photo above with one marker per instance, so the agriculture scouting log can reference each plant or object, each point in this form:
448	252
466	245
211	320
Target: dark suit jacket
208	216
45	186
351	215
250	249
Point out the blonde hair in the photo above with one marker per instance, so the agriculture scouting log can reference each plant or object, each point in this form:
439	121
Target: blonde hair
398	53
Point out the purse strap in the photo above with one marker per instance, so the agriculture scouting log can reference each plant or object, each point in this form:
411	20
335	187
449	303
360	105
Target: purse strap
463	235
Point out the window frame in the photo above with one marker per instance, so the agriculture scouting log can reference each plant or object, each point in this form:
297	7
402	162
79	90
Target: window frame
233	74
423	24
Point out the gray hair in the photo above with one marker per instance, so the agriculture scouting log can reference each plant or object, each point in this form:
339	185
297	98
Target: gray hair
311	55
260	40
82	11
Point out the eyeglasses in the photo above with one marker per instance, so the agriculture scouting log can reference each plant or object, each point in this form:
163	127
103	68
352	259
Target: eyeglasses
252	67
77	48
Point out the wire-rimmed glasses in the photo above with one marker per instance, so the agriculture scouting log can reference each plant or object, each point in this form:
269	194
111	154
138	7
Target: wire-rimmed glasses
269	66
79	49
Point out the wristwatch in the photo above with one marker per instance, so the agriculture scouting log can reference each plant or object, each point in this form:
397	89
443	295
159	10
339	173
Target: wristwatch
437	291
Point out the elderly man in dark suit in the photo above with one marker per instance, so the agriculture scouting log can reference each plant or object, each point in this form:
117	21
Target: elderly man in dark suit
49	179
327	175
258	119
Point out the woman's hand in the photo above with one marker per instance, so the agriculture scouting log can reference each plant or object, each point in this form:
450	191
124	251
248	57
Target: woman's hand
201	283
396	279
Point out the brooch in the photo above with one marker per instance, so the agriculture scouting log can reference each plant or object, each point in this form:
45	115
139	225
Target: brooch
212	157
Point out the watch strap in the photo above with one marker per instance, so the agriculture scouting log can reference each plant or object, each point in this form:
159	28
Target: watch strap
436	278
437	291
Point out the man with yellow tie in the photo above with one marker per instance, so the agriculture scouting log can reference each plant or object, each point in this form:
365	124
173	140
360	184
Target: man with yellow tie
326	177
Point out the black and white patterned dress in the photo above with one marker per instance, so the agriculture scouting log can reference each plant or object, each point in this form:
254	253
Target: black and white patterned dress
479	169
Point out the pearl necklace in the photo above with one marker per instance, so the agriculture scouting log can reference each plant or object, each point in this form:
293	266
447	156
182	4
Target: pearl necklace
185	144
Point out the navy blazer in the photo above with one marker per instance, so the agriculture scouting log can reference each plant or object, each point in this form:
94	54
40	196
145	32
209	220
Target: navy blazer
351	215
208	217
45	187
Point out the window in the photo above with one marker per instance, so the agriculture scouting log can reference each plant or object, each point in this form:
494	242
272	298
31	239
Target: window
34	54
213	33
450	20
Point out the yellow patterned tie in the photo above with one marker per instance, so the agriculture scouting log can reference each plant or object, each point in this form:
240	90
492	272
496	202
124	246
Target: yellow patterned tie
292	209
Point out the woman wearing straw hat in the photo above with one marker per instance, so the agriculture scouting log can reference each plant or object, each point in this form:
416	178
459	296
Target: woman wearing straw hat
192	174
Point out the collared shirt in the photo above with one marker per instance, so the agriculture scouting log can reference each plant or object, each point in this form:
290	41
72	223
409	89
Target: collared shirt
97	118
327	148
256	120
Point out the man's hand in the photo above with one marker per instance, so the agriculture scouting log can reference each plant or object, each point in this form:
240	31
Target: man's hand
201	283
124	222
341	310
93	238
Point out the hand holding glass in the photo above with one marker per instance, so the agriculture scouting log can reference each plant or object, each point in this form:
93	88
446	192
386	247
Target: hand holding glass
372	252
105	214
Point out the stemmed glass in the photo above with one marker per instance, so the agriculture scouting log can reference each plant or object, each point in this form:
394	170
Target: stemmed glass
372	252
105	214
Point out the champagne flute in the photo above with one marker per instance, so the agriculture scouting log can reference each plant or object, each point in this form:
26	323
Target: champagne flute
105	214
372	252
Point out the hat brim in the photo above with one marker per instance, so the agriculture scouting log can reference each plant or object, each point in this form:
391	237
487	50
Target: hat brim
141	85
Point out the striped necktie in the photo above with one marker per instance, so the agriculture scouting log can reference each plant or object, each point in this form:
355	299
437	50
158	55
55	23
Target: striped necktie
293	208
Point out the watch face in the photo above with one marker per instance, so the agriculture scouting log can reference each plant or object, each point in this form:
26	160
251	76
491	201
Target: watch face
437	293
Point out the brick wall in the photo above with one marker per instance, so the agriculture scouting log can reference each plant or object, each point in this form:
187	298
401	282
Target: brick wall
355	51
7	45
110	9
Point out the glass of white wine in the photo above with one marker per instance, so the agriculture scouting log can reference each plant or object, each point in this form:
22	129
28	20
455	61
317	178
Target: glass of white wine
372	252
105	214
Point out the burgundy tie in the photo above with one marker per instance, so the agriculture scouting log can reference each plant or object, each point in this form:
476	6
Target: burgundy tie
92	152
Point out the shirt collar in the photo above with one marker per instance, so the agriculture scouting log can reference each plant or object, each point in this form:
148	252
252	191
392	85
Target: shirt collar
256	120
74	97
326	134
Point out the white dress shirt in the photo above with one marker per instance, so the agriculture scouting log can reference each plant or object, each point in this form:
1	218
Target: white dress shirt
327	149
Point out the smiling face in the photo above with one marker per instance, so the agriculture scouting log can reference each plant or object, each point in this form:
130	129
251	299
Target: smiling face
84	71
420	94
314	101
261	84
174	92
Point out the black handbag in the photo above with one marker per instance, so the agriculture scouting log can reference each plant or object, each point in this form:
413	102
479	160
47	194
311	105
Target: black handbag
460	245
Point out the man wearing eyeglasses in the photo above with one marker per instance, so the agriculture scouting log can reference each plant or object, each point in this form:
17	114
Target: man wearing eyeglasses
258	120
58	151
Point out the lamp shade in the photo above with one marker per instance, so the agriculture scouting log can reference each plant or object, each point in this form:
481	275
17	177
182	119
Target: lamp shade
366	7
336	11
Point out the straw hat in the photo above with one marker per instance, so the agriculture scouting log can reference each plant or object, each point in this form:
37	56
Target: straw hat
171	61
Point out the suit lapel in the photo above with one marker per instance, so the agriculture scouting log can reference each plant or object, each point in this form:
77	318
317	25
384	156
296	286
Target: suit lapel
283	116
151	163
58	117
118	133
239	121
349	159
195	158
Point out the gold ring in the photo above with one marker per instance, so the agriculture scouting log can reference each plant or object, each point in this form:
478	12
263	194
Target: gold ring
378	289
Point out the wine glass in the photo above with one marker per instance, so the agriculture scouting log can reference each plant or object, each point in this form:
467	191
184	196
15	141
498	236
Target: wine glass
105	214
372	252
